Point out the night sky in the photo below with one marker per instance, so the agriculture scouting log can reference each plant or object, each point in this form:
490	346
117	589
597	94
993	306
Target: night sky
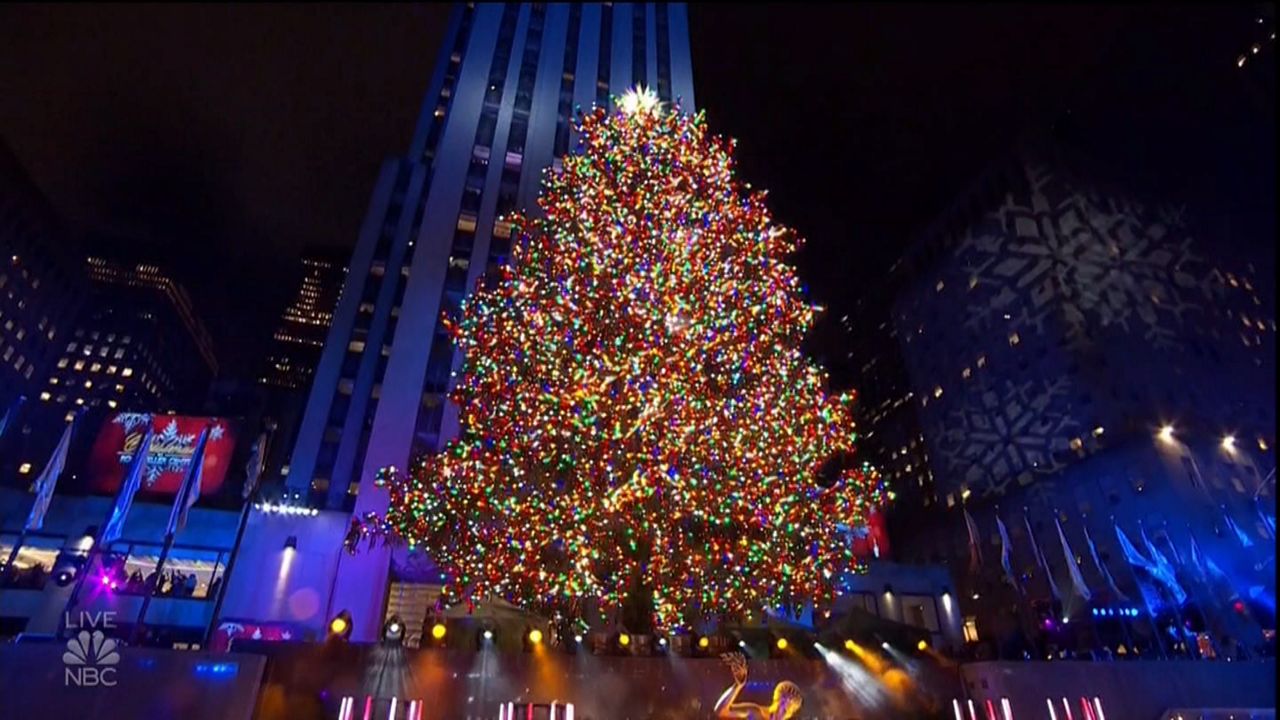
226	137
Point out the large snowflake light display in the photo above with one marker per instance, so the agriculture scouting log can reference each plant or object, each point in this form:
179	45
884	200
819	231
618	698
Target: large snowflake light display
639	427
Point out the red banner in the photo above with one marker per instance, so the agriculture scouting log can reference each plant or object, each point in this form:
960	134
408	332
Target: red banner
872	541
170	456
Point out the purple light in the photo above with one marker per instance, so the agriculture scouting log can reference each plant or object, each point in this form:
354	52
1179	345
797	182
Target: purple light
1048	623
106	580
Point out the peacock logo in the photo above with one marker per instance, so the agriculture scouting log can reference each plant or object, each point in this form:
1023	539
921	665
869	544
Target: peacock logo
90	660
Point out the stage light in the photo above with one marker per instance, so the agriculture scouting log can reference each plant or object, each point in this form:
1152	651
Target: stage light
884	645
850	645
624	639
340	626
781	644
703	642
535	636
488	634
662	642
742	644
577	639
1166	434
922	646
438	631
394	630
1229	443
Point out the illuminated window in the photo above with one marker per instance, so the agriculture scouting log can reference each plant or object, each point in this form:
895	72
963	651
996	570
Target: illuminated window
356	346
111	404
24	468
88	384
937	391
45	396
982	361
939	286
79	401
965	373
111	369
119	388
1076	444
119	353
96	367
971	629
79	365
353	488
127	372
1014	339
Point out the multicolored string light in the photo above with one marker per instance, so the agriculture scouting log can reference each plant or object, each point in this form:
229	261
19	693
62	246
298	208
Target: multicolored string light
637	421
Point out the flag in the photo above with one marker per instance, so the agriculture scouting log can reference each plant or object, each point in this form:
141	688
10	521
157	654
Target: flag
48	479
1040	561
1240	534
975	542
1153	568
190	490
1102	569
1077	580
1267	521
1165	573
129	488
253	470
1169	539
1006	550
11	415
1196	558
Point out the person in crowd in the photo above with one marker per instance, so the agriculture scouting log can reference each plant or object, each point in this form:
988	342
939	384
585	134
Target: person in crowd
189	585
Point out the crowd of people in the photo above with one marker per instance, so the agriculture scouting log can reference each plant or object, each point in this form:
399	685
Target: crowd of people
168	583
32	577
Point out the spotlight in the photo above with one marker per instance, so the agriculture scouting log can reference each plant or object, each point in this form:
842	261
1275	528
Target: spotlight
577	639
394	630
1165	434
703	642
662	642
850	645
742	644
438	631
884	645
624	639
340	626
488	634
1229	443
781	644
922	646
535	636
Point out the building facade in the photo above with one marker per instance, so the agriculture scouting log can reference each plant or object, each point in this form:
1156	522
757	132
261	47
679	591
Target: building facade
137	345
1082	355
304	324
41	291
497	114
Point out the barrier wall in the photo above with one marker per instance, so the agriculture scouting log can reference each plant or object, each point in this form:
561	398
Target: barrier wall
43	681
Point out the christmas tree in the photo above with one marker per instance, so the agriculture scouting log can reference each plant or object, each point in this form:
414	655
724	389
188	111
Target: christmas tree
638	424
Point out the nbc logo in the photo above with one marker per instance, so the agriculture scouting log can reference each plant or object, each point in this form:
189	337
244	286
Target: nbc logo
90	660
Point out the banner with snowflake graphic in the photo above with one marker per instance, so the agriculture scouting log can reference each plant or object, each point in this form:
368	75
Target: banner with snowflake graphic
171	448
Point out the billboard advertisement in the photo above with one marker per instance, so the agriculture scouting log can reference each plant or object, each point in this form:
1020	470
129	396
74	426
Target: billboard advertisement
170	456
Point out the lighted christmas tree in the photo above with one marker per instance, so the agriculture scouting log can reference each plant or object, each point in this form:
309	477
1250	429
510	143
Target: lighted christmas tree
638	424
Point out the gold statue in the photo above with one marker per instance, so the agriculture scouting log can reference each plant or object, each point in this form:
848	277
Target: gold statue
786	696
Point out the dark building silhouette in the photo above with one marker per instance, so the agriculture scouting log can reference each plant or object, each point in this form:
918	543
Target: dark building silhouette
41	290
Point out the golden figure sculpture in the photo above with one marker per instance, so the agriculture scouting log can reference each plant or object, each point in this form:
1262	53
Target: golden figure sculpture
786	696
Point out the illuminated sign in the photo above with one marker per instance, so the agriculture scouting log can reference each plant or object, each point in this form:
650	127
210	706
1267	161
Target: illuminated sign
171	448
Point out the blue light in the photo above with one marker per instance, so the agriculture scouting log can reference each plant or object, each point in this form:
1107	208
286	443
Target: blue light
222	669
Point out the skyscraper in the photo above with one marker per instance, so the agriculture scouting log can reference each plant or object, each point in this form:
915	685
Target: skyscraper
497	113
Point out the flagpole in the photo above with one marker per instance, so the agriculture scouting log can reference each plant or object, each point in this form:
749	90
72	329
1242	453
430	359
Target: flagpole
99	546
1137	584
182	504
235	546
22	534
